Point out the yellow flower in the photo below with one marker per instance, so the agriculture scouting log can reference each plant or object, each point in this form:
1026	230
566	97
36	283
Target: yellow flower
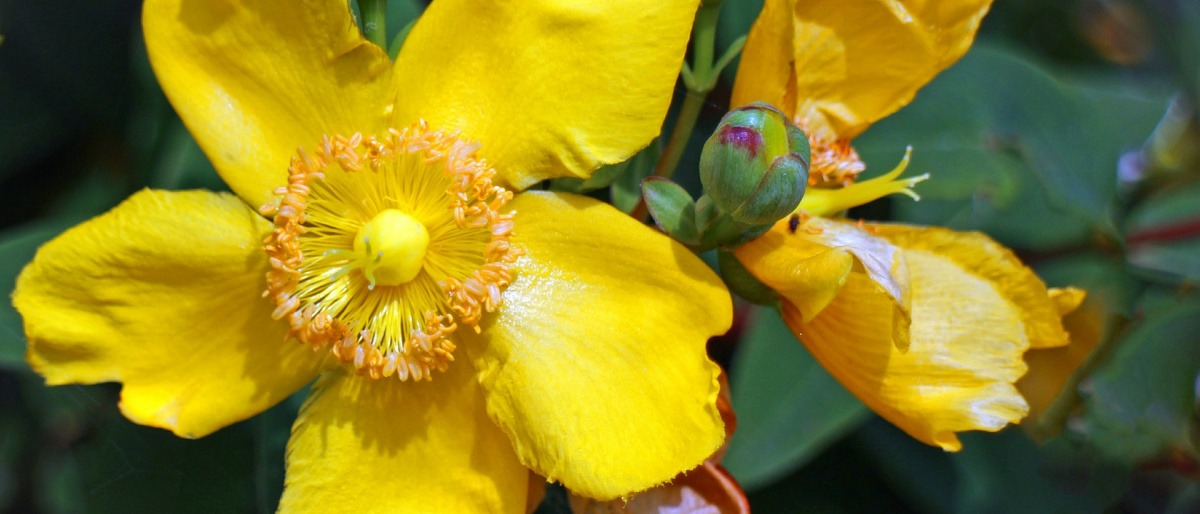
926	326
461	333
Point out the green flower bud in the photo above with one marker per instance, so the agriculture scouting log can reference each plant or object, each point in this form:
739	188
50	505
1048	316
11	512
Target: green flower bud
755	165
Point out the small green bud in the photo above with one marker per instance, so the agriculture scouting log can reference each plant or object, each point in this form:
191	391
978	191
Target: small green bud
755	165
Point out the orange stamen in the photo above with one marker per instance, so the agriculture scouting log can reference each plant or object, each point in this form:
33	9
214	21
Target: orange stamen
402	329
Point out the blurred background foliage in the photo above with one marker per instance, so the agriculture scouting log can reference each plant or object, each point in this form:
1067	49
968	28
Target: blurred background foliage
1068	133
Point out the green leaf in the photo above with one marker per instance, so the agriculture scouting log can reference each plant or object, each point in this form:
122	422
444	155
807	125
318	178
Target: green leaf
627	187
673	209
1029	159
1163	232
179	163
923	474
789	409
1004	472
994	472
1104	278
1141	401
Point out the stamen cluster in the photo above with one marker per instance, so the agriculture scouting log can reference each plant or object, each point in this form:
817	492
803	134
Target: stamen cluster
400	330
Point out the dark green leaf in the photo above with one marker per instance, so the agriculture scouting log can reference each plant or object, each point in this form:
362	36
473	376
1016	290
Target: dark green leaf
1142	399
1004	473
1028	159
1104	278
994	472
627	188
1164	232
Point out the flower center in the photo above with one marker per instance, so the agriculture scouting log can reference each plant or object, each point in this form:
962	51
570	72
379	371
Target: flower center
383	245
391	248
834	161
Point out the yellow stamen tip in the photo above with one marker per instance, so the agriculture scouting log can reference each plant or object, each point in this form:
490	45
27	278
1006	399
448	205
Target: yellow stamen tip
826	202
392	247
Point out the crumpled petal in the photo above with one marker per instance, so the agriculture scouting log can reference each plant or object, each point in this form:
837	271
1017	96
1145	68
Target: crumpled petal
979	255
363	445
253	80
958	371
807	262
595	365
851	62
1050	368
164	294
804	272
552	88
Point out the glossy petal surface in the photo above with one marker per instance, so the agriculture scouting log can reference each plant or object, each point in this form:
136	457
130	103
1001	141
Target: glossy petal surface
253	80
365	446
851	63
163	294
958	371
983	257
804	272
551	87
596	363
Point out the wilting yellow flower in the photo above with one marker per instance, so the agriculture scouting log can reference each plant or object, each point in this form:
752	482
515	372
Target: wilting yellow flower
460	333
1050	369
926	326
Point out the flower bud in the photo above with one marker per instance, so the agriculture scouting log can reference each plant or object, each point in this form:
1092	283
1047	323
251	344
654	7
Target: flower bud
755	165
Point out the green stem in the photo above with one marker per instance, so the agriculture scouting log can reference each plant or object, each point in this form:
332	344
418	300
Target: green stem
374	17
689	112
1055	418
704	38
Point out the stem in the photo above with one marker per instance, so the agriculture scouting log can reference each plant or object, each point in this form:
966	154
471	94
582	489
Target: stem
374	17
704	36
1178	231
689	112
1055	417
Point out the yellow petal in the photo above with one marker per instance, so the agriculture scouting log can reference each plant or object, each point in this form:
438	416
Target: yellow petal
164	294
979	255
765	70
804	272
959	369
551	88
1050	368
808	262
853	62
1066	299
365	446
882	261
253	80
595	365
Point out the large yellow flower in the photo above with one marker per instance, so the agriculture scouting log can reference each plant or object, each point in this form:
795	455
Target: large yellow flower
461	333
926	326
